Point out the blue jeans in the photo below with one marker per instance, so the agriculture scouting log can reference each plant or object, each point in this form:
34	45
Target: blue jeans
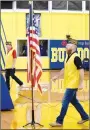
70	97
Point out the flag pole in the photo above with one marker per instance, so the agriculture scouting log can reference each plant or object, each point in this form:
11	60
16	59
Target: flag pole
31	56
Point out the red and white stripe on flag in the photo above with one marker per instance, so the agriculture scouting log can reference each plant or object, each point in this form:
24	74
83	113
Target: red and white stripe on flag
34	46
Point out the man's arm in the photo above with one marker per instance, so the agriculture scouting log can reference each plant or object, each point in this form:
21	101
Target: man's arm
81	85
14	58
14	62
61	73
78	63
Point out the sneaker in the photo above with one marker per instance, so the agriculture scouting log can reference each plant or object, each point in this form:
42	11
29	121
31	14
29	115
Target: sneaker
83	121
55	124
23	85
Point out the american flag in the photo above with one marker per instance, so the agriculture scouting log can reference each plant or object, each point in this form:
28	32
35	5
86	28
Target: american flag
33	45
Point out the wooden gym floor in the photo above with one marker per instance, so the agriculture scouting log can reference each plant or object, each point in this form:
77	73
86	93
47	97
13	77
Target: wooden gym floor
45	111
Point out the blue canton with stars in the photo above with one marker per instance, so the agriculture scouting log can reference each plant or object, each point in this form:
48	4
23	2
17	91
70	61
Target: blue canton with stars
35	24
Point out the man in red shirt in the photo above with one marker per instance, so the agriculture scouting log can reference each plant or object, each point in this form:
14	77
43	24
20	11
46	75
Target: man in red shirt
10	65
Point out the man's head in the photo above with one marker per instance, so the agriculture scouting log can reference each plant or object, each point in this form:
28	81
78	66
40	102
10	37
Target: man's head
71	45
8	46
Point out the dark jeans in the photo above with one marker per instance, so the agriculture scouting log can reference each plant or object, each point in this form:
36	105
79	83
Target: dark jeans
11	72
70	97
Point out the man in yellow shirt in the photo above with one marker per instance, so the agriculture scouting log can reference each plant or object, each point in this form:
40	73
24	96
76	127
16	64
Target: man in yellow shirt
73	80
10	65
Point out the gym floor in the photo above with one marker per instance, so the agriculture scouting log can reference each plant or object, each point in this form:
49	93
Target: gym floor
45	111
